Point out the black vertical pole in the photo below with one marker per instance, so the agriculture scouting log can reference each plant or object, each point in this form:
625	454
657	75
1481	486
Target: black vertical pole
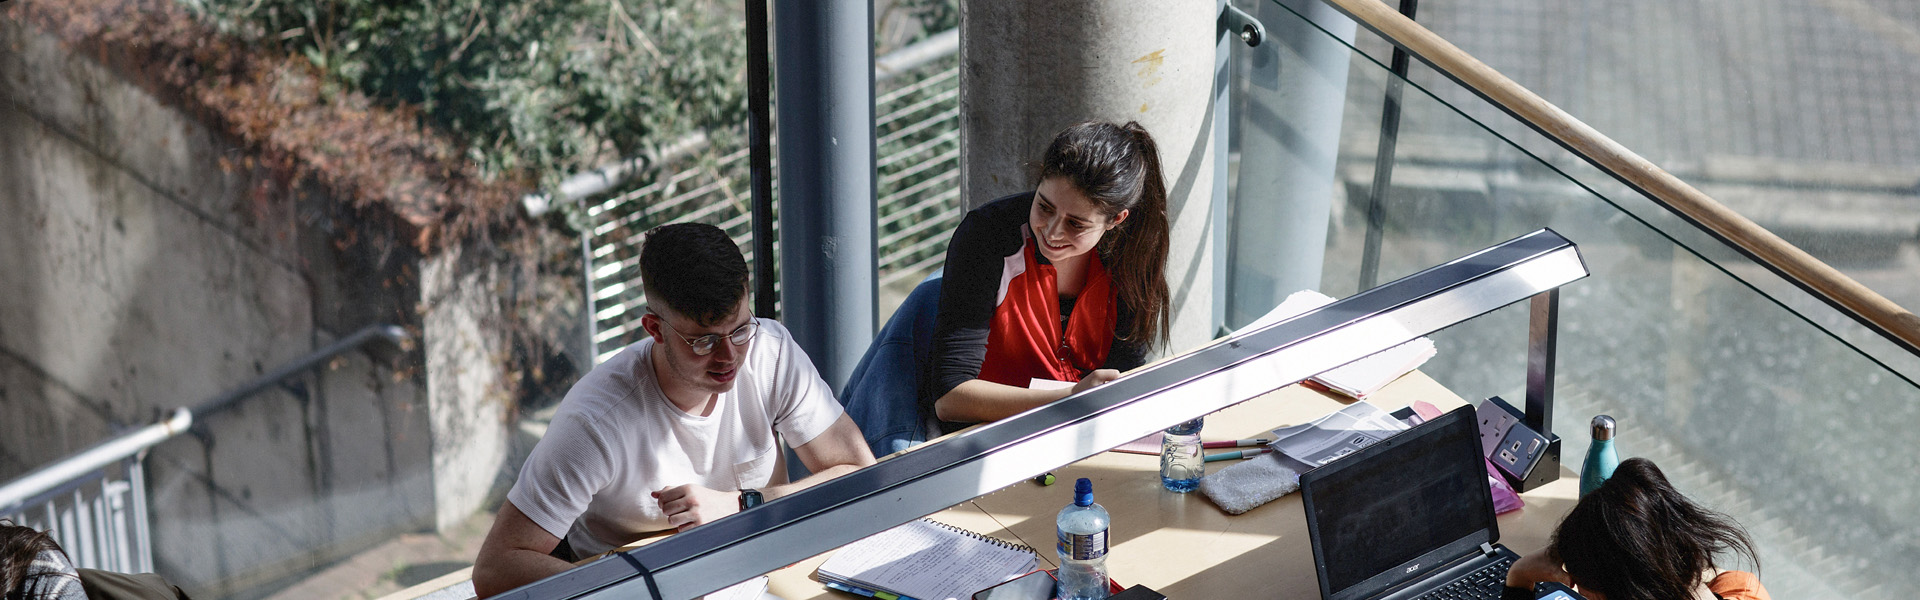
1383	162
760	140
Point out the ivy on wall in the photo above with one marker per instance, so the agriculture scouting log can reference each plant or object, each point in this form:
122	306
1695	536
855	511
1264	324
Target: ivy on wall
530	87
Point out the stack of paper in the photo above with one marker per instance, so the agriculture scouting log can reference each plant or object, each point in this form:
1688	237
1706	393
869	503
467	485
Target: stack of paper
751	589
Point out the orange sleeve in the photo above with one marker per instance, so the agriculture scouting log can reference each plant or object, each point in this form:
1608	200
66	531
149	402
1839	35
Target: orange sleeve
1738	585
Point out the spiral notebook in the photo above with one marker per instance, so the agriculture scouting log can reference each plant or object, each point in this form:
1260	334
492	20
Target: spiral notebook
927	560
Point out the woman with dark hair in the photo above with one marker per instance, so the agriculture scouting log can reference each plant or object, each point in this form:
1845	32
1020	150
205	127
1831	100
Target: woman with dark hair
1637	538
32	566
1066	282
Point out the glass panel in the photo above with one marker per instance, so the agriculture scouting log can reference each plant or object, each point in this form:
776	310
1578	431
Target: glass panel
1755	397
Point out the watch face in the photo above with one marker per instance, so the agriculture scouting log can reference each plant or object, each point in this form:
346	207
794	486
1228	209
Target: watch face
750	499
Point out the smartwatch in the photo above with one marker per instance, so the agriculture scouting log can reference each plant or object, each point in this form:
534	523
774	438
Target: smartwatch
750	499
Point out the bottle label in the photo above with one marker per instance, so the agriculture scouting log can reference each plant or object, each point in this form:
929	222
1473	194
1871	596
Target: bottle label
1083	546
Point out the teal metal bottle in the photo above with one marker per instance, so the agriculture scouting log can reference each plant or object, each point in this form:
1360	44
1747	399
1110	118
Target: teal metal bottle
1601	457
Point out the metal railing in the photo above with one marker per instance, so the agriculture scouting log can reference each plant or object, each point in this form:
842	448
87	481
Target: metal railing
918	203
94	503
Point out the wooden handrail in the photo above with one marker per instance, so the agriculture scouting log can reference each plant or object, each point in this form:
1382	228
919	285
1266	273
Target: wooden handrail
1816	277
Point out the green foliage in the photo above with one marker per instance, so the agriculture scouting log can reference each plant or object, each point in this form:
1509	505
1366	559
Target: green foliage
540	87
934	15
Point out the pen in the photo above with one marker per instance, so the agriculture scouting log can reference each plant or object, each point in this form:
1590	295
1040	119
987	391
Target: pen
848	589
1235	443
1248	453
864	592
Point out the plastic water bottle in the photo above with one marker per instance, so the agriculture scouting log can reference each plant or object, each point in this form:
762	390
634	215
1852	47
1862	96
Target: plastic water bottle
1082	527
1601	457
1181	465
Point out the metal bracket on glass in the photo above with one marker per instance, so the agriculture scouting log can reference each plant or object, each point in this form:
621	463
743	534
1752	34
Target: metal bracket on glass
990	457
1243	25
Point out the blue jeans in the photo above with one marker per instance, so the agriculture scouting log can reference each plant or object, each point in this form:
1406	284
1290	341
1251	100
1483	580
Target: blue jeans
883	394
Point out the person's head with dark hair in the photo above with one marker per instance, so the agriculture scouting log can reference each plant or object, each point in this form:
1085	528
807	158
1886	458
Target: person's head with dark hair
1115	171
696	284
33	567
695	270
1638	538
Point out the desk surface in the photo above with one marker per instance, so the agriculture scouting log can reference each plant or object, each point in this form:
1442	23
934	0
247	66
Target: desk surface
1181	544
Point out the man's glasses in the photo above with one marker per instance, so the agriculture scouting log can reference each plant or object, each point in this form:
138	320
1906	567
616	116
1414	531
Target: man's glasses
703	345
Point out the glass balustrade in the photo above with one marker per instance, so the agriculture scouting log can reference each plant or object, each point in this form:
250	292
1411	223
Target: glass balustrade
1756	397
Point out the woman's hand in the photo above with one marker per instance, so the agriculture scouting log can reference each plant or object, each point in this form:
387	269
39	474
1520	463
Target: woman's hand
1535	568
1094	379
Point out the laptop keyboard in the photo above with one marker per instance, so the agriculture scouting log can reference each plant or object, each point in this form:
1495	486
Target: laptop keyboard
1485	584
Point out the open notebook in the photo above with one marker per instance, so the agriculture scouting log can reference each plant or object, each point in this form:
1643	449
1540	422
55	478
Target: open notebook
927	560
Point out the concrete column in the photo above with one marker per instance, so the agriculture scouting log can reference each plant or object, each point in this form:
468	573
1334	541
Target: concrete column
1295	86
827	264
1030	69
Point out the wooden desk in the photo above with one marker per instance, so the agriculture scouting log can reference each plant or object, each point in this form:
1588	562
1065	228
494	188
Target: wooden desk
1181	544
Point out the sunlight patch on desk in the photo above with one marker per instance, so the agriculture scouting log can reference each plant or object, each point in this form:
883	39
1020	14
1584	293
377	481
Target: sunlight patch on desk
1143	552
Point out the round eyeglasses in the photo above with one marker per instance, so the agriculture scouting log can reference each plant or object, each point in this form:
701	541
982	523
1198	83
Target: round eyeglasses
703	345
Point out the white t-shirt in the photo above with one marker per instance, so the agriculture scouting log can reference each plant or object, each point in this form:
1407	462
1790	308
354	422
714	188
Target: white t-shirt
616	439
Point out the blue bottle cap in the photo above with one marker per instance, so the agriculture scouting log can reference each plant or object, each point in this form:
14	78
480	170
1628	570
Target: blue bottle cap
1083	492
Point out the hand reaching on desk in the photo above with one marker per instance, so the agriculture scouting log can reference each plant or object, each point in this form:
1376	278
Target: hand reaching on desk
691	505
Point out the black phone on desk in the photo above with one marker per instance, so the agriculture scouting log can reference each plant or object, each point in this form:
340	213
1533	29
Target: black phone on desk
1553	590
1037	585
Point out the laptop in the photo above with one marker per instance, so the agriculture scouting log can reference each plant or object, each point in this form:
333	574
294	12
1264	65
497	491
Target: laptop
1410	516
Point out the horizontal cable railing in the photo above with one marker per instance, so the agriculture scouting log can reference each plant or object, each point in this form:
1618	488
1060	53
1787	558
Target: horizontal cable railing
1802	269
917	204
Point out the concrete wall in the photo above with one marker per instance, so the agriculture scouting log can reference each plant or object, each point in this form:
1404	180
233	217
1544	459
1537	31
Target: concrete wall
147	265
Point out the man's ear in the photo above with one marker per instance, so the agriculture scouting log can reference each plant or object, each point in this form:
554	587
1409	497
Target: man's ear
651	323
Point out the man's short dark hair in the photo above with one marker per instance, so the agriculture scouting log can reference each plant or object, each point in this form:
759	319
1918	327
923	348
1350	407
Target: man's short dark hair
695	269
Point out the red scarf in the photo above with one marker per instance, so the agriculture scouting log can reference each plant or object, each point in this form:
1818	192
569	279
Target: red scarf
1024	340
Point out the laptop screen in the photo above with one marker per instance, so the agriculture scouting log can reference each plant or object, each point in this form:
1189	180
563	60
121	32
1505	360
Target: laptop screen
1409	495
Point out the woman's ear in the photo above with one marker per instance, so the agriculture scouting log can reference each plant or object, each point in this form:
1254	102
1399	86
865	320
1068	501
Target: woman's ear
1119	218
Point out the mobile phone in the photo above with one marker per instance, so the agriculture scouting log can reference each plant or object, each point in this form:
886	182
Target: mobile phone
1037	585
1552	590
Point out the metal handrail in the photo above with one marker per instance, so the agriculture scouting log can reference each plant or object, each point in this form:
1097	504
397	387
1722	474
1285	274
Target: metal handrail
40	481
394	334
1857	301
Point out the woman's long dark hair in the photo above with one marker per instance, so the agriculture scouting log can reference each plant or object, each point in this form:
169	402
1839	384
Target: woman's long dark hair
19	546
1637	538
1118	168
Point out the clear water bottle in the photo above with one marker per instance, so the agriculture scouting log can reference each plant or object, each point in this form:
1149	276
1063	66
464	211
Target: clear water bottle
1082	527
1181	465
1601	457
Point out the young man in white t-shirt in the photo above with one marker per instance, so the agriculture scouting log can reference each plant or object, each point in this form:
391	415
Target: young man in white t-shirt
677	429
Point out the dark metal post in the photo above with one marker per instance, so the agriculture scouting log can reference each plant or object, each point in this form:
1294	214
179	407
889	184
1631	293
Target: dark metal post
1543	327
1383	162
827	179
760	158
1543	332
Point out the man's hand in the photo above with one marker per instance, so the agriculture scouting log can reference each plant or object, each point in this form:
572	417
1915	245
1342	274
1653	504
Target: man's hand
1094	379
690	505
